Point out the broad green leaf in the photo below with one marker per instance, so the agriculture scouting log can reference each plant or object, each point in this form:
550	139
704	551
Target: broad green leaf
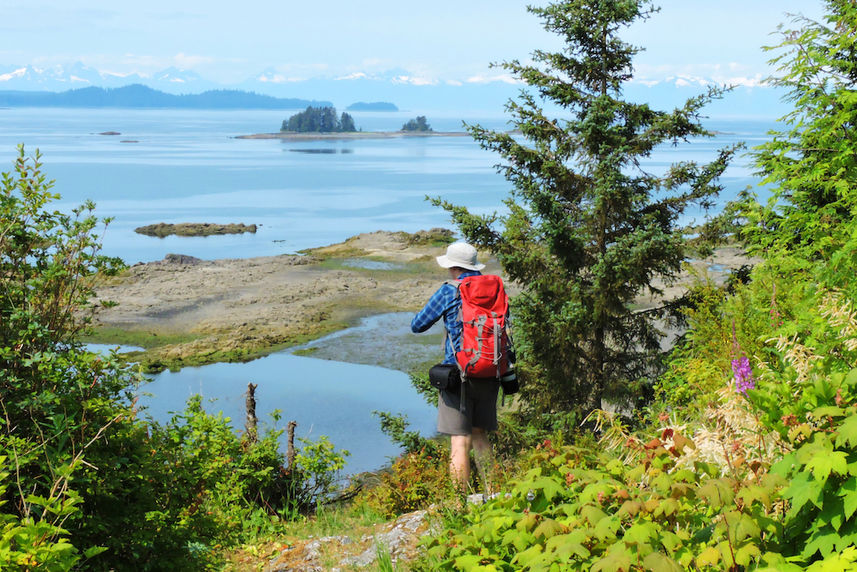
803	489
629	508
657	562
833	512
532	556
567	545
747	554
670	541
93	551
592	514
831	462
617	559
549	486
848	492
607	528
528	522
847	432
716	493
822	541
640	533
747	528
708	557
547	528
828	411
754	493
468	562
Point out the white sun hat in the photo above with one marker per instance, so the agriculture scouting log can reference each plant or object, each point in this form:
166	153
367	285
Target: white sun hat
460	254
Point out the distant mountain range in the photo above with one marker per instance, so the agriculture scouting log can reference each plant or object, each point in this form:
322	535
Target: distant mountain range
473	97
140	96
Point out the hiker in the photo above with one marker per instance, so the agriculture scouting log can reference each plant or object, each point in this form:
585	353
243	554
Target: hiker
467	424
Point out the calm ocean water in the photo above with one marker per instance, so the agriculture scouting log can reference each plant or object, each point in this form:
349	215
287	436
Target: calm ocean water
185	166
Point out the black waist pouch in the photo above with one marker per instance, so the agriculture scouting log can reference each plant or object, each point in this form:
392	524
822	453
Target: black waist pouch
445	376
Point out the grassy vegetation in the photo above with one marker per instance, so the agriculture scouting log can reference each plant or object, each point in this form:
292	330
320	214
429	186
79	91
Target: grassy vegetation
133	337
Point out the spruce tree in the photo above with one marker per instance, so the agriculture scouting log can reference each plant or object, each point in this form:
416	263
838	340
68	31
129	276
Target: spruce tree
810	162
588	230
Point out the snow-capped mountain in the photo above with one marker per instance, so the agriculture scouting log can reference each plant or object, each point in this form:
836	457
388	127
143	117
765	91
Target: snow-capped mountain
408	91
77	75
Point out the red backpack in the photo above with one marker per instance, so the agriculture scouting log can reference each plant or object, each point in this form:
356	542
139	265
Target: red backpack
485	343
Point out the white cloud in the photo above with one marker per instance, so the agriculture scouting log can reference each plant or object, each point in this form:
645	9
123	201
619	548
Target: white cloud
454	82
412	80
278	78
503	78
355	75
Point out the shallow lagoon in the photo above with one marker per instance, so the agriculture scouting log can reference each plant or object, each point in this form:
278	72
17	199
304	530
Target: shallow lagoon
330	398
333	393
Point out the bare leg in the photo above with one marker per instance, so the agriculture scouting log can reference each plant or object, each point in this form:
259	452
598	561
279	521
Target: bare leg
484	454
459	460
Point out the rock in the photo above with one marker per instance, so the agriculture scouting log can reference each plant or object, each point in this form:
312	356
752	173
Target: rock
163	229
432	237
181	259
399	538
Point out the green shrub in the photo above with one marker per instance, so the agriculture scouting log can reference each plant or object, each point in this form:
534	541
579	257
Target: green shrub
414	481
83	481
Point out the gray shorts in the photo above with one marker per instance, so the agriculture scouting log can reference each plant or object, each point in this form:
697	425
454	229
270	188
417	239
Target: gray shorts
480	408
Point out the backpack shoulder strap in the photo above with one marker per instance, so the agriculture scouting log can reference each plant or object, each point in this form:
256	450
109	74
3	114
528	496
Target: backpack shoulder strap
455	284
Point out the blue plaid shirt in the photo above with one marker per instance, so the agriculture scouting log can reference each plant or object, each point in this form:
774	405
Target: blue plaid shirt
444	303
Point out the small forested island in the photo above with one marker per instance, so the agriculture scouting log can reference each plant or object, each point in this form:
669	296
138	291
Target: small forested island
319	120
373	106
418	124
162	229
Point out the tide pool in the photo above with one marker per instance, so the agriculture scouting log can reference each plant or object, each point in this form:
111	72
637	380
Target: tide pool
330	398
325	397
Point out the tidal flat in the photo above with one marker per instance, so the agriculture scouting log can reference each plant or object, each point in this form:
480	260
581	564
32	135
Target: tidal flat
188	312
228	310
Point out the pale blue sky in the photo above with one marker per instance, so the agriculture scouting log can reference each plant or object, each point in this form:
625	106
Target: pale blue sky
436	41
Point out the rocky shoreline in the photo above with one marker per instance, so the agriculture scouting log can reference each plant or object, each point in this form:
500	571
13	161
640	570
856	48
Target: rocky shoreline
185	311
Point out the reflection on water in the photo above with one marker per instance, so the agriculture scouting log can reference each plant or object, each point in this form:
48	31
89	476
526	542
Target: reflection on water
323	151
107	348
324	397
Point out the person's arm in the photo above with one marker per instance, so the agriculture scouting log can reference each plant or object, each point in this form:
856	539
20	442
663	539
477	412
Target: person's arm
431	313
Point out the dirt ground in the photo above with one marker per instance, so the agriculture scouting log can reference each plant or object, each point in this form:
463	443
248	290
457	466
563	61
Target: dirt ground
186	311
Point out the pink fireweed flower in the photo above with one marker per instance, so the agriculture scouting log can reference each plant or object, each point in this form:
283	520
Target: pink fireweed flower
743	375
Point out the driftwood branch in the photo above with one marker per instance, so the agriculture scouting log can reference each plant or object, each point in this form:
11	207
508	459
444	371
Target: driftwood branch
290	452
252	420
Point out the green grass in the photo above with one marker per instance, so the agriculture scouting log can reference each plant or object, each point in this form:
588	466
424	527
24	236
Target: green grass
141	338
